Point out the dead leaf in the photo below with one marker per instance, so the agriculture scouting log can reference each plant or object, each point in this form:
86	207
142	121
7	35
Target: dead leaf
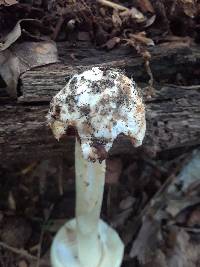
150	21
110	44
117	22
188	179
144	247
22	263
127	203
119	219
134	13
11	201
9	71
189	7
142	39
22	57
145	6
8	2
194	218
13	35
112	4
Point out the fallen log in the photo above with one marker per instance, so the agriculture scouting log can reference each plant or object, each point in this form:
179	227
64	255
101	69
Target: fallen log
173	114
167	62
173	117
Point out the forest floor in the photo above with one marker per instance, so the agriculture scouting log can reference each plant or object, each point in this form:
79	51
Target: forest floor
152	198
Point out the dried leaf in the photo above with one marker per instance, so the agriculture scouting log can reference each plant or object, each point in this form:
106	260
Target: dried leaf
135	14
188	179
194	218
127	203
112	4
9	71
145	6
11	201
120	219
189	7
150	21
117	22
144	247
22	57
13	35
110	44
8	2
141	38
22	263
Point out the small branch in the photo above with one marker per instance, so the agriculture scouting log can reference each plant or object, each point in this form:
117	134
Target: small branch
42	235
112	5
21	252
151	91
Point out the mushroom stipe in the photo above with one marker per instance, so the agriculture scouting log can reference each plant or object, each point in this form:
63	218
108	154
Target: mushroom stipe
99	104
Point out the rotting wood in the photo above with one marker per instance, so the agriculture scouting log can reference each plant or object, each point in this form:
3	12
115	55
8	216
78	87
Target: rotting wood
173	116
40	84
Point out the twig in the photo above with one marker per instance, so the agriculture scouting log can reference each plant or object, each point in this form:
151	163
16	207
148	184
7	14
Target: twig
189	87
39	248
42	235
113	5
58	26
21	252
151	91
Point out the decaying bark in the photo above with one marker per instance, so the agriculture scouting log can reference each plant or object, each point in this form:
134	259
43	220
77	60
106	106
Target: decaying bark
173	117
167	62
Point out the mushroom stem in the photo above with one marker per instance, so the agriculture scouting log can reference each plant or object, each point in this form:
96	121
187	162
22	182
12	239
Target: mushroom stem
90	179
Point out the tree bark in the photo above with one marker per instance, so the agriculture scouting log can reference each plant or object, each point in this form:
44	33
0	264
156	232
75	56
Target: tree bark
167	62
173	117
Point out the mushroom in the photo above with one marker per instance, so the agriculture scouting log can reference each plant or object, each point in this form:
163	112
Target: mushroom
99	105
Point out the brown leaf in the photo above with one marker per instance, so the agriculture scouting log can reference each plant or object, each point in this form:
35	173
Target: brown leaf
147	240
22	263
13	35
135	14
141	38
112	4
194	218
150	21
117	22
22	57
120	219
189	7
145	6
8	2
110	44
127	203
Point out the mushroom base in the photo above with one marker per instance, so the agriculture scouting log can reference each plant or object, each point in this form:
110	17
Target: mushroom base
64	250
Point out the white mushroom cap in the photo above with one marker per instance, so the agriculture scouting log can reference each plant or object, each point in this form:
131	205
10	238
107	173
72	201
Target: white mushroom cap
100	104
